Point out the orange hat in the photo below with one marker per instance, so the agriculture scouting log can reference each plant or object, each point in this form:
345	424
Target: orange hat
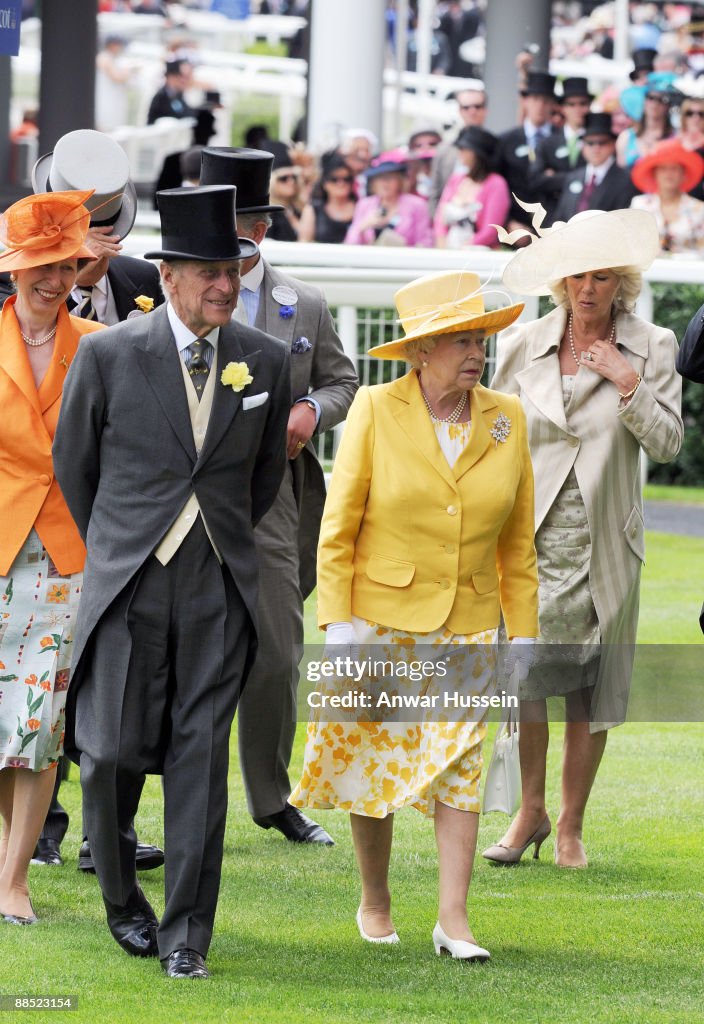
668	152
45	228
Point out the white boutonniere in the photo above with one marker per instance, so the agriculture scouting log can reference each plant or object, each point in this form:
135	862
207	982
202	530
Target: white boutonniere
501	429
236	375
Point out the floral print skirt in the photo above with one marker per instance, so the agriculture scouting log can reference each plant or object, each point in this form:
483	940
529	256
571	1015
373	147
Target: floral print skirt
374	768
37	612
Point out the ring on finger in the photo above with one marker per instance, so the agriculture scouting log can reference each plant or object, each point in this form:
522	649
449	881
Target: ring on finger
301	444
589	357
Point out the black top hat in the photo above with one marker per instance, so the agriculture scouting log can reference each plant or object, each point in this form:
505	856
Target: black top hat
173	67
480	141
643	61
199	224
575	87
539	83
248	169
598	124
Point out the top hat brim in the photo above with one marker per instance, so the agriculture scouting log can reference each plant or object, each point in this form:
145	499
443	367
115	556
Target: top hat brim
271	208
247	248
128	211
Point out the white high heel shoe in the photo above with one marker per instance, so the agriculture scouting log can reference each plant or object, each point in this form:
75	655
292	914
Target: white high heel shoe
458	949
390	939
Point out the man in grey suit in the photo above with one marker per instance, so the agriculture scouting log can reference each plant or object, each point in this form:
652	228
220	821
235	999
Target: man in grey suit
171	446
323	384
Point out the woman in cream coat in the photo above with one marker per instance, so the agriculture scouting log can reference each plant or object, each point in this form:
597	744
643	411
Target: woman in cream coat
41	552
598	386
427	534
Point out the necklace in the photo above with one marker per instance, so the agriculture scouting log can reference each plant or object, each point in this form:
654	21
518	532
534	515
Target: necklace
36	342
454	415
570	338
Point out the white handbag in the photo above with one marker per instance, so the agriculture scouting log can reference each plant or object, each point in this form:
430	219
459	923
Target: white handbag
502	783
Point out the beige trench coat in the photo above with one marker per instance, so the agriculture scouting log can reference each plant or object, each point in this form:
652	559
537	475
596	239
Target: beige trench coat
602	442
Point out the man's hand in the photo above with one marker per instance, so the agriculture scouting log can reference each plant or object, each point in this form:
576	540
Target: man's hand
301	427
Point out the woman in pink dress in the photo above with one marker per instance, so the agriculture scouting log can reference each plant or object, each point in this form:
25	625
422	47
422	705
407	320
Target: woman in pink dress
390	216
474	199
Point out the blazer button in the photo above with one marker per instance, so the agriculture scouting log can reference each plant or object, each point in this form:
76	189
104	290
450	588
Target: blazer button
45	479
634	531
444	584
573	442
450	549
451	510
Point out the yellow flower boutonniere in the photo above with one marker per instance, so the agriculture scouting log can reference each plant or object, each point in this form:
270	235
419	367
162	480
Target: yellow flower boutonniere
237	375
144	303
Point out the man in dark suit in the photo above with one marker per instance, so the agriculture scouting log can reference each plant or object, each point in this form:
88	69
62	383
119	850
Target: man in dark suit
169	101
323	384
171	446
690	363
518	147
561	152
600	184
108	289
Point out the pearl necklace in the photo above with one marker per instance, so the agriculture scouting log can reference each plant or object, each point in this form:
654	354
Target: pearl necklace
35	342
454	415
570	338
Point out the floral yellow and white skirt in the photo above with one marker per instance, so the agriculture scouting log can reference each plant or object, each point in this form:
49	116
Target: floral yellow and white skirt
37	612
374	768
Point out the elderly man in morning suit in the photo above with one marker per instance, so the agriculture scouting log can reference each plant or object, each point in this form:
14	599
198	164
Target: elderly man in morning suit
171	446
323	384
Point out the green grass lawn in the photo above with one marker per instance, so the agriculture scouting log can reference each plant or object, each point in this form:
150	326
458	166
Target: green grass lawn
684	495
621	942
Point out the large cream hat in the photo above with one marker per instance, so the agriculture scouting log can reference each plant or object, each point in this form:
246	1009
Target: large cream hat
444	304
591	240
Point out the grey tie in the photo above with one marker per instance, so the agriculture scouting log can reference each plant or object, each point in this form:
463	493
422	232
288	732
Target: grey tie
197	365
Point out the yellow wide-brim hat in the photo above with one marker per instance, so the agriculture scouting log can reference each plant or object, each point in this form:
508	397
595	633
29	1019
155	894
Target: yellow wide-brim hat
45	228
444	303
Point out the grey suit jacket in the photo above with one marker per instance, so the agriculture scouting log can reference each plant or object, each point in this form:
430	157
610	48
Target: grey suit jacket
603	444
126	462
324	373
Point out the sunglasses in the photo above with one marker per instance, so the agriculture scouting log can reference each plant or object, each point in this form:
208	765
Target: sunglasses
598	142
341	179
657	98
472	106
286	177
693	113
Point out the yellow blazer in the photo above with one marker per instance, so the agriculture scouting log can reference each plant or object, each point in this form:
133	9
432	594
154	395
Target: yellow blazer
29	494
412	544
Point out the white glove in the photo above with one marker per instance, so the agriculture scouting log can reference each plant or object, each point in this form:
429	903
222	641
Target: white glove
520	656
341	641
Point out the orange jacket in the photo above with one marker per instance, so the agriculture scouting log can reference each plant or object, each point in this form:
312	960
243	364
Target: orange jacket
29	494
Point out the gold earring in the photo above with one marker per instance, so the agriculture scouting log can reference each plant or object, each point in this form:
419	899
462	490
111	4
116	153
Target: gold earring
424	362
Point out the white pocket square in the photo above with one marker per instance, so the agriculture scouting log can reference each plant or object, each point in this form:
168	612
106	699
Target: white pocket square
252	401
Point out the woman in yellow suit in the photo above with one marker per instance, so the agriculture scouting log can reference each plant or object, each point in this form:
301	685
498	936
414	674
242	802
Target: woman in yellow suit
426	537
41	552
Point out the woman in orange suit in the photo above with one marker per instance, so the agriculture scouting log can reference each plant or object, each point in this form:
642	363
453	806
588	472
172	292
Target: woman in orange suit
426	536
41	553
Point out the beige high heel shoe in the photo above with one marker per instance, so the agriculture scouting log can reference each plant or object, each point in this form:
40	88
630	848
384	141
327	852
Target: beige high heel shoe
512	854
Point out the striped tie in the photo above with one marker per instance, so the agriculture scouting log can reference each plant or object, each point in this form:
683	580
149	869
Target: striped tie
197	365
85	307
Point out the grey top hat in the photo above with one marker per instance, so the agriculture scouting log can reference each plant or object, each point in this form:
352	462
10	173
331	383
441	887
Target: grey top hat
87	159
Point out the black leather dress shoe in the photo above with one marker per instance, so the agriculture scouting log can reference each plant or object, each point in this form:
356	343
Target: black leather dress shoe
295	826
146	858
133	926
185	963
47	852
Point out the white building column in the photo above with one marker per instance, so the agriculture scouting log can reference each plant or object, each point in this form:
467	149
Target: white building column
510	27
345	75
